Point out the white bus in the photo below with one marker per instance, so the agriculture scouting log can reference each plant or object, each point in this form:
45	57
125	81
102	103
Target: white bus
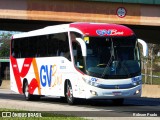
77	60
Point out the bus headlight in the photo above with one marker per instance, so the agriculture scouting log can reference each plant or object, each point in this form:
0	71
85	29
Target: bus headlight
90	80
137	80
93	92
137	92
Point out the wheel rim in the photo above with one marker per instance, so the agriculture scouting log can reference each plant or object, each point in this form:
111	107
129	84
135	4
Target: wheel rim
69	93
26	91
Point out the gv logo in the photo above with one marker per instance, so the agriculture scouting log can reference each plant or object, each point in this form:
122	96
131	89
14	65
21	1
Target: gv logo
103	32
109	32
46	75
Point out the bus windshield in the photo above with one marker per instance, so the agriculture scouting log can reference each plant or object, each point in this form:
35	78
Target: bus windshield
112	57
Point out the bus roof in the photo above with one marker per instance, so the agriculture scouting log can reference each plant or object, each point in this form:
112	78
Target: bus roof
102	29
44	31
87	29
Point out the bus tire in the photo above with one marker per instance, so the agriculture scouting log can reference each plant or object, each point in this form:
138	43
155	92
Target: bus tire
118	101
27	95
69	93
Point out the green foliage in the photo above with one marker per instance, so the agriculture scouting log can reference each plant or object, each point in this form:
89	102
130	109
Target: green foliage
5	44
5	36
5	48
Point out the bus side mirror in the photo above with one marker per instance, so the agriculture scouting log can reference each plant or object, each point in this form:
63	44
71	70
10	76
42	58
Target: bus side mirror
145	47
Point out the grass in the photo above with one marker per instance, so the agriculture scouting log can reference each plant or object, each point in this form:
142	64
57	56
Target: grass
45	115
155	81
155	70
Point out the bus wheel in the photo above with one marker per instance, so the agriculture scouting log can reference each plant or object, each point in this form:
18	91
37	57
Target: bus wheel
27	95
69	94
118	101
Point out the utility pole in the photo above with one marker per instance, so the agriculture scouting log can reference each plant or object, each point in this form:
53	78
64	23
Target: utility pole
145	61
151	72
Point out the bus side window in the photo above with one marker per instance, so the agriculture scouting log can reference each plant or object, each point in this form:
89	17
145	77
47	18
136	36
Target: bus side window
24	46
52	45
13	48
31	47
41	47
63	45
77	52
65	50
17	48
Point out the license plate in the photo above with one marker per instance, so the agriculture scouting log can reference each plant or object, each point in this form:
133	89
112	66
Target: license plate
117	93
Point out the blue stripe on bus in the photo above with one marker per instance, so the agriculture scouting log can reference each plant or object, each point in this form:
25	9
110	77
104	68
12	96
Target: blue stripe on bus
125	86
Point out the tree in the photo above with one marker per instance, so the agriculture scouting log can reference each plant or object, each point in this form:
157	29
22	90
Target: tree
5	44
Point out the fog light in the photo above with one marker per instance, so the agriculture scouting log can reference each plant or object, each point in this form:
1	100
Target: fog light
137	92
93	92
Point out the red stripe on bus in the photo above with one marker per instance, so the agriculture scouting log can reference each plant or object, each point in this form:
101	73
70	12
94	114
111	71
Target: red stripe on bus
33	85
18	74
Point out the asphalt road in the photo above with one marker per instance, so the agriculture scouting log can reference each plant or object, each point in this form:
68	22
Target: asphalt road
132	107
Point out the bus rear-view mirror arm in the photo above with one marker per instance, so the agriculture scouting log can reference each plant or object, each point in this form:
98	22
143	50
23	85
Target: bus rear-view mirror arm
145	47
83	46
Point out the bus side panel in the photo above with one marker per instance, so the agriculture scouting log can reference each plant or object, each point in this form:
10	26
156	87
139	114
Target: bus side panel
20	70
52	72
77	85
16	72
45	76
13	85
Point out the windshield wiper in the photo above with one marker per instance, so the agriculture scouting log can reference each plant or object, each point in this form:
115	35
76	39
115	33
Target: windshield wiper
115	63
105	69
110	60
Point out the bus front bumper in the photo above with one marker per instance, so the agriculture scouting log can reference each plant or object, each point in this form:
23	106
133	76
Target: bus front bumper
98	93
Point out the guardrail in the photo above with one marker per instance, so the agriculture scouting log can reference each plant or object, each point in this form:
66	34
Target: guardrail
154	76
